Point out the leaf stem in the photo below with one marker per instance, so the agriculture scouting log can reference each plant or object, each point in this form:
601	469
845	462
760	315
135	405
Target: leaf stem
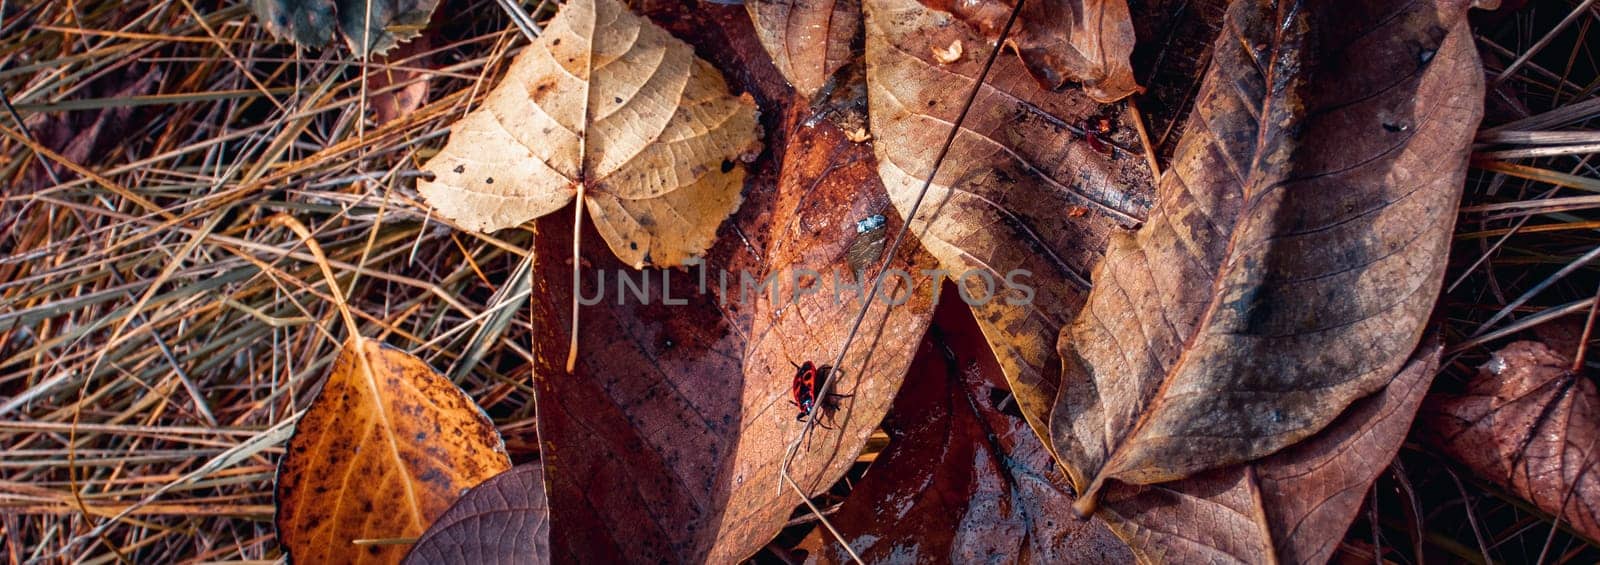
577	228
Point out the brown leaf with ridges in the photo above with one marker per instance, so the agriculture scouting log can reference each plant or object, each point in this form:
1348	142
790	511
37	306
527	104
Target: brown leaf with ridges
997	208
664	444
827	185
809	40
1291	507
1061	41
1528	423
383	450
1296	251
503	521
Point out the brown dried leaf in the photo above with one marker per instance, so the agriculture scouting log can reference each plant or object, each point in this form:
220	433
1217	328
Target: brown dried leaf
399	83
964	479
1528	423
504	521
828	185
383	450
809	40
997	207
671	429
675	423
1294	505
608	106
1296	251
1061	41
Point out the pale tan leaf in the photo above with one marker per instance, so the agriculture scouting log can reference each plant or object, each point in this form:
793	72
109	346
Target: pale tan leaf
384	449
610	103
1296	251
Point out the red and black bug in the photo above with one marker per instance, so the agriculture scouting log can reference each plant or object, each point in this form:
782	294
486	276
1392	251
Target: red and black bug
807	378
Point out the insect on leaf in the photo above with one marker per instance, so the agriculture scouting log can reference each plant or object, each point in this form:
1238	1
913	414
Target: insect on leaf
963	479
1296	250
384	449
607	105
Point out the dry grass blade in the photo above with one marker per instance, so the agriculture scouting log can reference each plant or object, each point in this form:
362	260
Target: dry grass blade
170	205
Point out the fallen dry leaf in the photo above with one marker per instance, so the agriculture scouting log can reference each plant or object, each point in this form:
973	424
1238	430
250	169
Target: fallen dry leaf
1294	505
674	425
607	107
828	185
995	215
399	84
311	23
383	450
78	136
503	521
964	479
675	422
1295	253
809	40
1061	41
1527	422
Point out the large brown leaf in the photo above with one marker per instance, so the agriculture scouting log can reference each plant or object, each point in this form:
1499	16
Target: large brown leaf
1296	250
1293	506
828	185
1529	423
504	521
665	443
809	40
964	479
1001	205
383	450
1084	41
609	106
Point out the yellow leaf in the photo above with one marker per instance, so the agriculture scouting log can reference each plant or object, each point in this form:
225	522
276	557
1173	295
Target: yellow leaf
383	450
608	106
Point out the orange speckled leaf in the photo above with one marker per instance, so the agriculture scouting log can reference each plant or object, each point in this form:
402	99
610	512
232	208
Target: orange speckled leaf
383	450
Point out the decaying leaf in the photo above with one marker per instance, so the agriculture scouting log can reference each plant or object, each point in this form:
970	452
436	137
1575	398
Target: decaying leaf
503	521
995	214
607	107
1295	253
809	40
383	450
963	480
1294	505
1527	422
312	23
399	83
680	405
1061	41
827	188
79	135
